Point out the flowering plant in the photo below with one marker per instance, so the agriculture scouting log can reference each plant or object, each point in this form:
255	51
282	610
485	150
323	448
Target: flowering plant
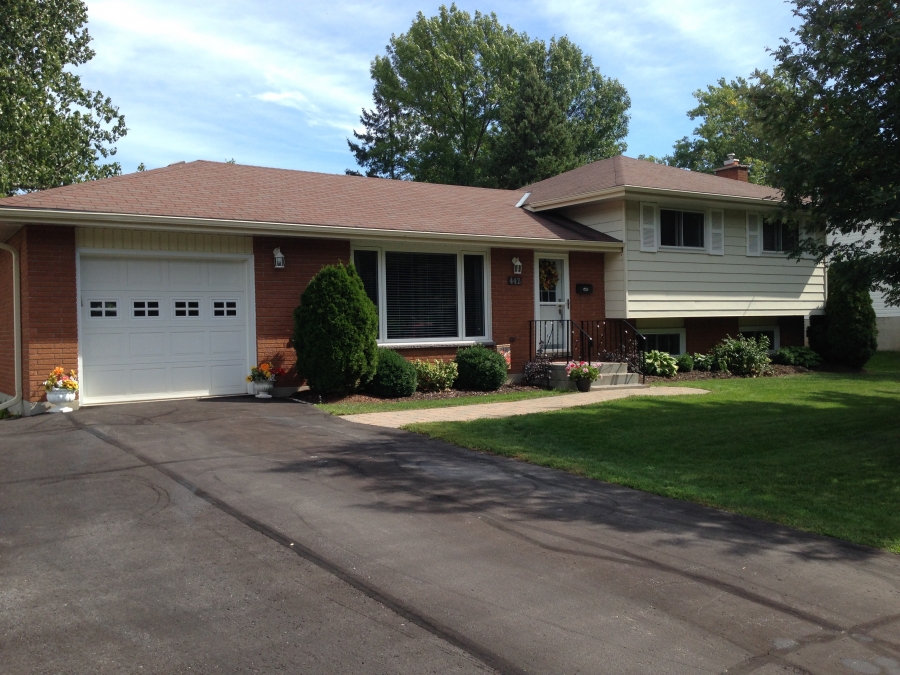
265	372
582	371
59	380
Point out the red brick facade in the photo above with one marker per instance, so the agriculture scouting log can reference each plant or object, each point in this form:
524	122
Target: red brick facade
49	305
278	292
702	333
512	307
7	327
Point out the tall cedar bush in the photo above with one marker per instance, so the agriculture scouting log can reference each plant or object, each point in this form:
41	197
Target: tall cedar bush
335	331
851	335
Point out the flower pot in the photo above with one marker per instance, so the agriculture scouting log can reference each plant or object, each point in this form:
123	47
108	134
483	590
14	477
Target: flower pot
583	384
264	389
58	398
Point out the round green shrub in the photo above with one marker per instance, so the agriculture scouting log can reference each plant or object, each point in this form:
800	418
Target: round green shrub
335	331
480	369
702	361
661	364
395	376
743	356
851	333
797	356
685	363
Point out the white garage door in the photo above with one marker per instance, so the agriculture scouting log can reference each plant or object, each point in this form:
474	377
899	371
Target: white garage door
156	328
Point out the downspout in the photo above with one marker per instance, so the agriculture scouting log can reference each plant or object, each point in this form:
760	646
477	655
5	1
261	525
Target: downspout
17	328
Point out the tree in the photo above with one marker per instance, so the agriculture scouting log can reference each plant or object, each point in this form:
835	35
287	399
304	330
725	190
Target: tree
53	131
443	89
851	334
727	127
829	112
335	331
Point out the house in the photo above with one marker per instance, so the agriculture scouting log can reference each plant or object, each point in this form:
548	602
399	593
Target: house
173	282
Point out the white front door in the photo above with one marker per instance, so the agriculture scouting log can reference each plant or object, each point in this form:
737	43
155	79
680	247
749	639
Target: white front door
155	327
552	303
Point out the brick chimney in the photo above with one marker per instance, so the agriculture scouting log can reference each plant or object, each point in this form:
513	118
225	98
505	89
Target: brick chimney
734	170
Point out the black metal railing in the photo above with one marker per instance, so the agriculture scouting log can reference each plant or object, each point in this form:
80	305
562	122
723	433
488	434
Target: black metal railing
610	340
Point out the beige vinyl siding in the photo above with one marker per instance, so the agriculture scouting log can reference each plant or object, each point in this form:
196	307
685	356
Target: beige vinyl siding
146	240
609	218
682	284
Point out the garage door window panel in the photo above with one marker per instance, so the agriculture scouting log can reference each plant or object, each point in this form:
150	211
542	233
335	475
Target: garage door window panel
187	309
145	309
225	309
103	309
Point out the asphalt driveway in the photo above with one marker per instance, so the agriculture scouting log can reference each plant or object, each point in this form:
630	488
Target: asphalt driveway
233	535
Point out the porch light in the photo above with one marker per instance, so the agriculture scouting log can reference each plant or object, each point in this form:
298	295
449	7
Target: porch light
517	266
279	259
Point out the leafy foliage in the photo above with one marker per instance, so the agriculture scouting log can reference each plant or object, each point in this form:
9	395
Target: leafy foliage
685	363
851	334
660	363
727	127
395	377
797	356
53	131
458	96
703	362
829	114
743	356
480	368
538	371
335	331
435	375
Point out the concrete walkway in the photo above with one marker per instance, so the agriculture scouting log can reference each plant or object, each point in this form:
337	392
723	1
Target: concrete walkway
464	413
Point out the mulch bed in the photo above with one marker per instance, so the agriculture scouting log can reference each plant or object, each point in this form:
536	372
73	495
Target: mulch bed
775	370
309	397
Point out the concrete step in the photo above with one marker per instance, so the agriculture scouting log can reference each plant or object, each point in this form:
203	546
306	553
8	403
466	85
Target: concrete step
610	368
616	375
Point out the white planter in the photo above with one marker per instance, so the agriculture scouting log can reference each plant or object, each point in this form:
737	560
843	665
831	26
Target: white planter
58	398
264	389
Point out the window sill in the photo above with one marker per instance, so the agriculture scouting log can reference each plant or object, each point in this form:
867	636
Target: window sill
683	249
432	345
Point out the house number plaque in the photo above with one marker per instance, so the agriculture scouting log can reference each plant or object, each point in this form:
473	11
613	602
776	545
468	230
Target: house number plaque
514	281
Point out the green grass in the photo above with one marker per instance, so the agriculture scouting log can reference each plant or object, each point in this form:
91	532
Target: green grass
819	452
358	408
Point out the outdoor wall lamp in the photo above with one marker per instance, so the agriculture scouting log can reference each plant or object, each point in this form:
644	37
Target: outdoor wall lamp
517	265
279	259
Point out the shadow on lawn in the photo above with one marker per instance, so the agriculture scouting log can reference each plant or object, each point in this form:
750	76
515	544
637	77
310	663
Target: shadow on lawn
415	474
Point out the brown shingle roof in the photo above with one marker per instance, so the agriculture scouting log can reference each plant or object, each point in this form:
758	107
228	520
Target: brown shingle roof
212	190
627	172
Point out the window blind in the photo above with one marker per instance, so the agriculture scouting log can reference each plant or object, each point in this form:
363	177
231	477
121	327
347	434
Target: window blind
421	295
473	286
366	263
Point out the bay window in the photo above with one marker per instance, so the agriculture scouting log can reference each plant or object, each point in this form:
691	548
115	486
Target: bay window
425	296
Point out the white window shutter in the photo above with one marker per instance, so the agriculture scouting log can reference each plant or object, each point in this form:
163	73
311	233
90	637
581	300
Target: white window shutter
716	232
649	234
754	234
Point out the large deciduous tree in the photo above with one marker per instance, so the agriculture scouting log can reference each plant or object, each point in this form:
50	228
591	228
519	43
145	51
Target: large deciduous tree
53	131
456	93
830	112
726	127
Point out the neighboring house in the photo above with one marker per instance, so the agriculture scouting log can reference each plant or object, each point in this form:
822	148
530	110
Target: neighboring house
165	284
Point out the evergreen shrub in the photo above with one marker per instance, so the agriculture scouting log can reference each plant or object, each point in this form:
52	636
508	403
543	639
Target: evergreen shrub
480	369
685	363
335	331
851	333
395	376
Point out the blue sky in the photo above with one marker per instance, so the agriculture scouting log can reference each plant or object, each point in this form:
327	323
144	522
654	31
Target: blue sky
281	84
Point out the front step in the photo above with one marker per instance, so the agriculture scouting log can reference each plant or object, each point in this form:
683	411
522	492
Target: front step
611	375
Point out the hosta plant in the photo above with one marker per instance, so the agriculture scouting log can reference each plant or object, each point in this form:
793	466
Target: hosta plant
660	363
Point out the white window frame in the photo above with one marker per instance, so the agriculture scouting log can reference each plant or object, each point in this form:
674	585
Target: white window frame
105	299
187	317
776	343
460	338
683	249
145	317
212	308
682	333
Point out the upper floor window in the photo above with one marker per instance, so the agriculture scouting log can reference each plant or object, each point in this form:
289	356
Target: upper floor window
778	236
681	228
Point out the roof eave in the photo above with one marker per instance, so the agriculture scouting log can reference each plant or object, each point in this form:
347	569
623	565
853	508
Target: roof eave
624	191
20	215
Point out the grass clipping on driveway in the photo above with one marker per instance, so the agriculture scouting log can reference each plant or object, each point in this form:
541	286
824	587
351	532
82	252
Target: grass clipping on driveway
352	408
819	452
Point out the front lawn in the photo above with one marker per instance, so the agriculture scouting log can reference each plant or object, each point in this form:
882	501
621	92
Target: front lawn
820	452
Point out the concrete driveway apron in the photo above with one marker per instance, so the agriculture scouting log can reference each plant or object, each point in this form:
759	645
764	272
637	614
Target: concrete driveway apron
517	568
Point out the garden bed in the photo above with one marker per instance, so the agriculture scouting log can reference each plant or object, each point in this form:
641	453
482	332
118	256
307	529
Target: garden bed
775	370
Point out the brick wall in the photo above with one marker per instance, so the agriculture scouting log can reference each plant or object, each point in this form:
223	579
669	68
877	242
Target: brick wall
278	292
7	322
791	330
49	304
702	333
587	268
512	307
